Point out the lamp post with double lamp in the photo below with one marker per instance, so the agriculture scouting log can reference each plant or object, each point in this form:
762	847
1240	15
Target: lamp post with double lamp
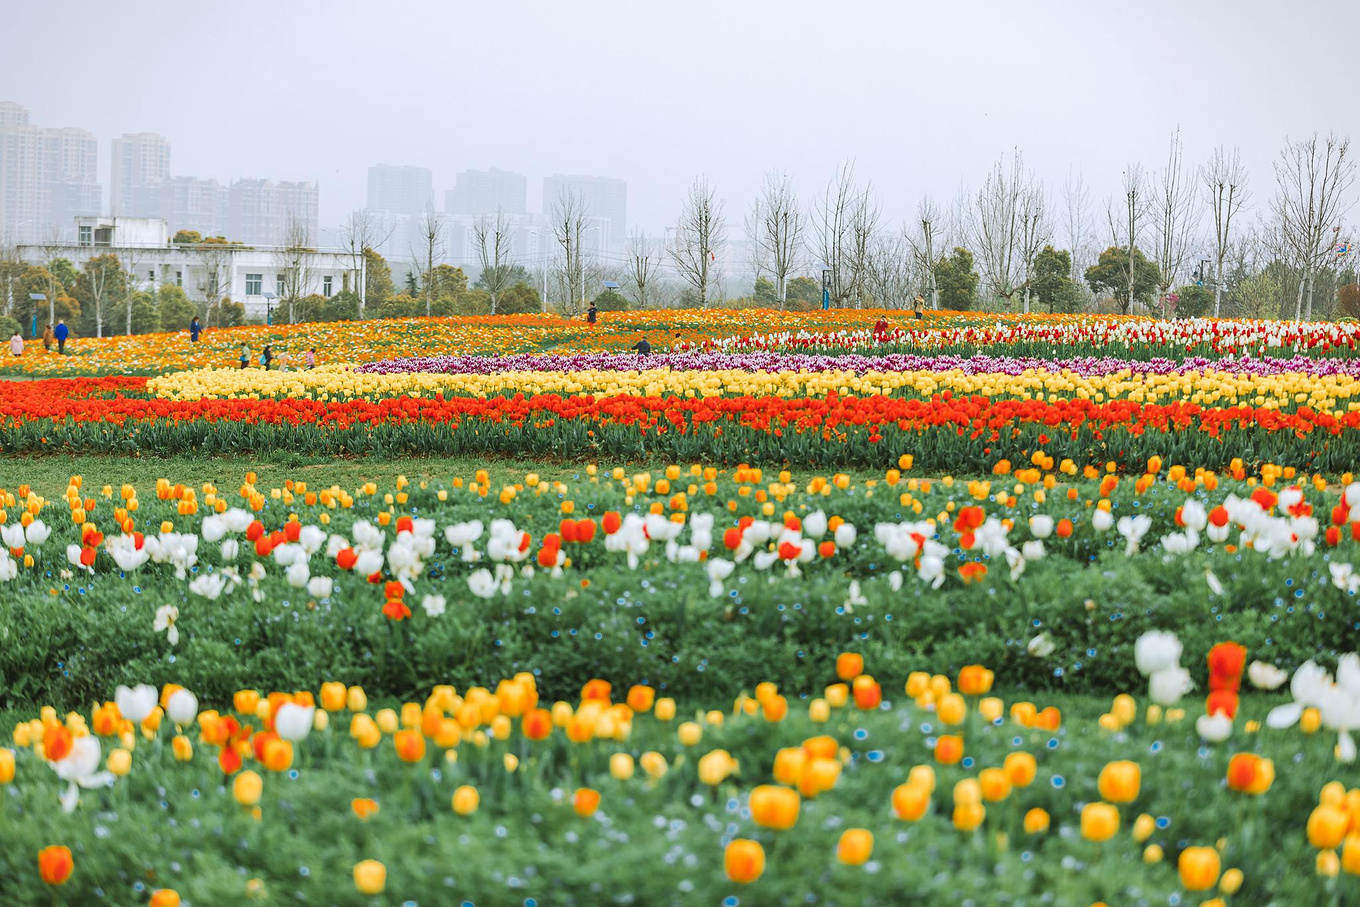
826	289
268	307
38	297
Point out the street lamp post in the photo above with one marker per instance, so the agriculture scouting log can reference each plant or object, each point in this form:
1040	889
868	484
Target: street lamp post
36	297
268	307
826	288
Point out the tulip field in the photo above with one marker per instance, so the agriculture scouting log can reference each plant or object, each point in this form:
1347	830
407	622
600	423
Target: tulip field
975	610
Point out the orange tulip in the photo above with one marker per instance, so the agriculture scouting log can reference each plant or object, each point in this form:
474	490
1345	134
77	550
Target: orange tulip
773	806
948	749
1199	868
364	807
1020	768
537	724
164	897
410	745
585	801
867	692
910	802
855	846
849	665
55	864
1120	781
1250	774
641	697
1099	821
57	742
974	680
744	861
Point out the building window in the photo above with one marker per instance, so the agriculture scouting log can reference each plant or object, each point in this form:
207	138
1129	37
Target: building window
87	236
326	286
254	284
179	278
278	286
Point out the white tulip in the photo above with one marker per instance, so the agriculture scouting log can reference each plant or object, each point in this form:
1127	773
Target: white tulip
182	707
1265	676
137	703
1156	650
1214	728
320	586
1041	646
1041	526
293	721
1167	686
38	532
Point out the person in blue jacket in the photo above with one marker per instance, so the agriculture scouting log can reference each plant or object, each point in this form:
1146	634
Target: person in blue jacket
61	333
194	330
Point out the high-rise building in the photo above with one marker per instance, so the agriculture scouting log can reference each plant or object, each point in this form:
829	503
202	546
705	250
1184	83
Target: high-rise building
261	212
487	191
603	197
187	203
48	176
400	190
140	160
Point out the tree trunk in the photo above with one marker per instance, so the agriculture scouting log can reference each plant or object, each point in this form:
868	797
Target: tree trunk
1218	287
1308	314
1298	303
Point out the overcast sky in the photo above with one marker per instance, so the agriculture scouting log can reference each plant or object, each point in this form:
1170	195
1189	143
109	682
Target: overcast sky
924	95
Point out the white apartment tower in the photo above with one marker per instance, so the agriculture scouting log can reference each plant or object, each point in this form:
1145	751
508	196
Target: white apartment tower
141	161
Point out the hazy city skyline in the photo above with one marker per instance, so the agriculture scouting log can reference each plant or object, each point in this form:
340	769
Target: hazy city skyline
924	96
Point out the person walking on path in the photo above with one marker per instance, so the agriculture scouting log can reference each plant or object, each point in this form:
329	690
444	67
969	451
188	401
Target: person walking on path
266	357
61	333
245	355
48	339
920	307
16	344
194	330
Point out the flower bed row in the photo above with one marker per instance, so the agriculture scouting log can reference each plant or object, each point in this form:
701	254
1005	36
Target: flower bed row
1289	392
676	581
942	433
948	793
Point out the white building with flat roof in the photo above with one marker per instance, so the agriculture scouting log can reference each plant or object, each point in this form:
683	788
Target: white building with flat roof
249	274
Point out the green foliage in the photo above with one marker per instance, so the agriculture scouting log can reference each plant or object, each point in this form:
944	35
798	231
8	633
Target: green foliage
611	301
65	273
520	298
1348	300
377	279
510	274
145	316
1110	274
804	294
403	306
412	283
765	292
447	282
188	237
8	327
176	308
1194	301
1051	281
343	306
956	280
226	314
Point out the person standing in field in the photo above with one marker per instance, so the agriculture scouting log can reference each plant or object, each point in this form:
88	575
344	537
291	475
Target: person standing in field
920	307
266	356
245	355
643	347
194	330
48	339
591	314
61	333
311	358
16	344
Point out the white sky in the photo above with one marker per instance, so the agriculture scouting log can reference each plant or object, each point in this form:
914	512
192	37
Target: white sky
924	95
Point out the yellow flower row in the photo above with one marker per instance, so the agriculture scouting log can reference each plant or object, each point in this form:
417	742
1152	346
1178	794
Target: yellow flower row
1208	387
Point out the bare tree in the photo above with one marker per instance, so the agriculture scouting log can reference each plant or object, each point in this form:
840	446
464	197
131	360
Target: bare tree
1034	232
699	233
995	225
1177	217
1224	181
99	273
359	233
569	227
846	220
11	267
294	263
494	240
642	260
1078	225
924	246
775	231
1135	209
130	261
53	248
214	275
431	250
888	271
1312	179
